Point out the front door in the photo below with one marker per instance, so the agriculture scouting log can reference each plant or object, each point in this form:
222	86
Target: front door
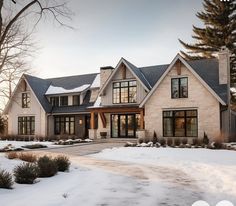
123	125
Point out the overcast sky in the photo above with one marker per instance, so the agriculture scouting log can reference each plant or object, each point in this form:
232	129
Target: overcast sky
145	32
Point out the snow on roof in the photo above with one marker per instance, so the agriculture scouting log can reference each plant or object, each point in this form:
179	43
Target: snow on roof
61	90
96	82
97	102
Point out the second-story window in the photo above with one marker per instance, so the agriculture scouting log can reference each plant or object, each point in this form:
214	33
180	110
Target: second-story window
64	101
54	101
76	100
25	100
125	92
179	88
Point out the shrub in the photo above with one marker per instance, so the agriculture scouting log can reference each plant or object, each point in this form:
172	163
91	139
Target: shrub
205	139
62	162
47	166
195	142
140	140
146	140
163	142
169	142
27	157
35	146
184	141
177	142
154	139
12	155
26	173
5	179
218	144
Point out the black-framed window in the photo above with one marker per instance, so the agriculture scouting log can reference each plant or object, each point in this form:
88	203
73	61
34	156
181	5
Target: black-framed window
54	101
64	101
76	100
182	123
125	92
26	125
179	87
64	125
25	100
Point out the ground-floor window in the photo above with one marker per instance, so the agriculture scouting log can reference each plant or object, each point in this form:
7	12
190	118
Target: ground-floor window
26	125
64	125
180	123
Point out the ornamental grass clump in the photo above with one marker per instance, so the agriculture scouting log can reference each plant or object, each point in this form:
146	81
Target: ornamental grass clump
6	181
47	166
26	173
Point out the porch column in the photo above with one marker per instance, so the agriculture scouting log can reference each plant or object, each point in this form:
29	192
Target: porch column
142	119
92	121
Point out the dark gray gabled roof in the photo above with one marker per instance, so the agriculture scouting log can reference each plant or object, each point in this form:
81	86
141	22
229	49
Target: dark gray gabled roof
72	82
208	70
153	73
139	74
40	86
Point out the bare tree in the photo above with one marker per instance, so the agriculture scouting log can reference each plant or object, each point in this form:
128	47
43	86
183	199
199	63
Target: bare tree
18	19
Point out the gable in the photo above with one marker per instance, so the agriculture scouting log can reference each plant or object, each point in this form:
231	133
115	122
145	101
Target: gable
131	71
15	103
203	82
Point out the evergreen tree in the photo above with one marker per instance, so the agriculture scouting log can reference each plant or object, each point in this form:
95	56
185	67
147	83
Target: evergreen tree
219	18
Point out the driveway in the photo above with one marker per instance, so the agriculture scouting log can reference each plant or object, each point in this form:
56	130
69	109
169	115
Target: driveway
85	148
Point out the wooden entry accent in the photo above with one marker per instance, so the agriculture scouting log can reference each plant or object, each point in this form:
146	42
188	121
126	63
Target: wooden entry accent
122	110
103	118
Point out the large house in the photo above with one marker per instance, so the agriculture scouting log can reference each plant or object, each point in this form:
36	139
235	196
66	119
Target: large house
180	99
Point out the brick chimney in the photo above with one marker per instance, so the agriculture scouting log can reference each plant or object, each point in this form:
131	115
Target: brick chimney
223	57
105	72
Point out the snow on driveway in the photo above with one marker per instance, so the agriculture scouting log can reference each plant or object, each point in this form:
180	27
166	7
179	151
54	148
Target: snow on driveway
211	171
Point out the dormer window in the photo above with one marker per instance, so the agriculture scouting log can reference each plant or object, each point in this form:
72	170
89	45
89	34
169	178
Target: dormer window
76	100
64	101
25	100
125	92
179	88
54	101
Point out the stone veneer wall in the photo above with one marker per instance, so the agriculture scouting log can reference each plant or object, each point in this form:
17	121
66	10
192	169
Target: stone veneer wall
198	97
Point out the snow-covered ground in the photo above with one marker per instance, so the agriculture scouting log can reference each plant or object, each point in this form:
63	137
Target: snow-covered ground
133	176
213	171
17	144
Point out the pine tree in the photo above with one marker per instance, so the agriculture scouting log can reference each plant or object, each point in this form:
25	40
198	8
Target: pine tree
219	18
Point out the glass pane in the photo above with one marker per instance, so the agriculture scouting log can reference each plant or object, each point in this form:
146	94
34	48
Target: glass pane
138	125
179	113
117	84
132	83
191	124
168	114
124	95
132	94
175	88
72	128
116	95
124	84
122	125
183	87
168	127
114	119
191	113
130	119
179	127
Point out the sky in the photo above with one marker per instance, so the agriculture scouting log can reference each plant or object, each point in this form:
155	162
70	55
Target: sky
145	32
